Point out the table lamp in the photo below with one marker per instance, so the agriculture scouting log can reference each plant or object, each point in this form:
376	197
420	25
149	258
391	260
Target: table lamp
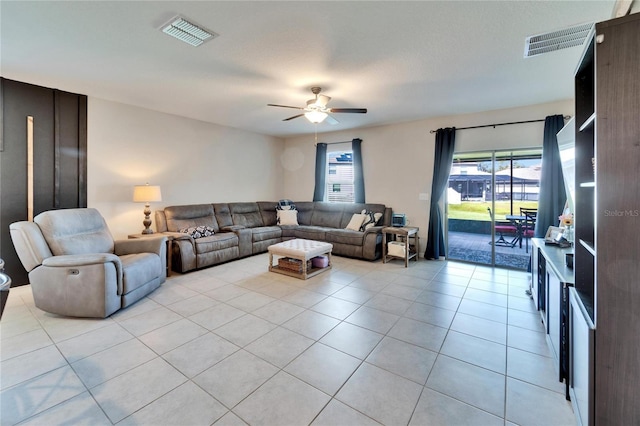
146	194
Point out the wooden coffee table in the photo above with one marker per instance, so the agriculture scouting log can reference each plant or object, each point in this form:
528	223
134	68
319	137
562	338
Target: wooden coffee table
302	250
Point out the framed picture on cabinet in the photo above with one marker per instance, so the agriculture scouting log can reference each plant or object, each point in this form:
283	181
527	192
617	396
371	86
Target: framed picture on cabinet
554	235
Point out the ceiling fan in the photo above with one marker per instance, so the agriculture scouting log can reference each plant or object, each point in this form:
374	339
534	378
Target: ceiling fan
317	111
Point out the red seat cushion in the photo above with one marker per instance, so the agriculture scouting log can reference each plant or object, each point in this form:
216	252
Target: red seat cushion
505	228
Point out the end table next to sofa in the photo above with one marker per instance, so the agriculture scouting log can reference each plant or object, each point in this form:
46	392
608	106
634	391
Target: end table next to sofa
404	234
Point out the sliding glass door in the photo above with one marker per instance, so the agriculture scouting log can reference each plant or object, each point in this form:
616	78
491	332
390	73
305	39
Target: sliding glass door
492	201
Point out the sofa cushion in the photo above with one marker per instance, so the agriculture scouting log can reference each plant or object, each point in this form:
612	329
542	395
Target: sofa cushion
287	217
305	210
344	236
223	214
246	214
268	212
138	270
350	208
357	219
285	205
75	231
181	217
288	231
310	232
371	219
262	233
327	215
218	241
198	231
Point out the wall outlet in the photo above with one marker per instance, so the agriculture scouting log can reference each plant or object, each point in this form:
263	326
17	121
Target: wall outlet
423	196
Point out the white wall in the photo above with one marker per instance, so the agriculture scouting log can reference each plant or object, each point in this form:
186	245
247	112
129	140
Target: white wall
398	158
192	161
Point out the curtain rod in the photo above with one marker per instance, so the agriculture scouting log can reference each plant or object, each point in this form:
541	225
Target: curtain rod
566	117
335	143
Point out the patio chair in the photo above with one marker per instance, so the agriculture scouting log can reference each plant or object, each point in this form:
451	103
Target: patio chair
529	224
501	229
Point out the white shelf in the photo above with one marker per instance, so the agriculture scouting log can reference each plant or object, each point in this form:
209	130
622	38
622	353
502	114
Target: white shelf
589	246
588	122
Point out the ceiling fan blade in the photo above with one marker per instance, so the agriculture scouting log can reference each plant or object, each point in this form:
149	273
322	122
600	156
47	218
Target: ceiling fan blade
291	118
353	110
284	106
331	120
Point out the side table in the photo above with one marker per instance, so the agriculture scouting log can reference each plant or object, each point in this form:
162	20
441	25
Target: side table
404	233
169	240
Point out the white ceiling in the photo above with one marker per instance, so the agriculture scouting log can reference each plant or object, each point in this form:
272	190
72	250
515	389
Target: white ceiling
401	60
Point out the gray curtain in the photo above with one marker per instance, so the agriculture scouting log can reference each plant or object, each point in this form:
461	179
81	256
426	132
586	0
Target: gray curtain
445	145
321	171
358	175
552	193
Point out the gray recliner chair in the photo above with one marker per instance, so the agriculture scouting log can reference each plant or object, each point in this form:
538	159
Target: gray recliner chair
77	269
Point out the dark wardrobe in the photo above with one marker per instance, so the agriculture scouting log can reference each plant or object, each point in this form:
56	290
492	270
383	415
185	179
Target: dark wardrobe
48	129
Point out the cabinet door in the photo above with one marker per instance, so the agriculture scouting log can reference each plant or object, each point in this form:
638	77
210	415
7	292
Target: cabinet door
553	315
534	276
581	349
59	158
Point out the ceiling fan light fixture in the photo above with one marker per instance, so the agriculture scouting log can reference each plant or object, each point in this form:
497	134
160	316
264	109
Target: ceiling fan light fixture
315	116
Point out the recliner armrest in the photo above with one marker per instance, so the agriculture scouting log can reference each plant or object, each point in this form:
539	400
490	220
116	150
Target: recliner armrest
80	260
30	244
70	260
141	245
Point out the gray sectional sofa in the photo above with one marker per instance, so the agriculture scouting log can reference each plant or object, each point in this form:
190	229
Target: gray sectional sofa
247	228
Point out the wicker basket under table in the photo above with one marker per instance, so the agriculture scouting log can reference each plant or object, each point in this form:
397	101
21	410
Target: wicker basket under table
296	256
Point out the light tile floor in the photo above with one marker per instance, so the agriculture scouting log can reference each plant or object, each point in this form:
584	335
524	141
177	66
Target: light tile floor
438	343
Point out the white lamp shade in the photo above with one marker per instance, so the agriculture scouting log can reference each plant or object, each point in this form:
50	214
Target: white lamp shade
315	116
146	193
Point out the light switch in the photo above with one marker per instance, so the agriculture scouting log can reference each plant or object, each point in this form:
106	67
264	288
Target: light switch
423	196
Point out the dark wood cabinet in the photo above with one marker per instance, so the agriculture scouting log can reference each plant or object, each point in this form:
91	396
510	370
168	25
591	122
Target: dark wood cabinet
608	216
59	158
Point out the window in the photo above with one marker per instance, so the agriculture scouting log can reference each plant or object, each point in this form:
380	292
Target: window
340	177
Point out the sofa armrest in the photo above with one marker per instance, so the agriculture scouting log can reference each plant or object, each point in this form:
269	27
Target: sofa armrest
373	230
372	244
177	235
245	238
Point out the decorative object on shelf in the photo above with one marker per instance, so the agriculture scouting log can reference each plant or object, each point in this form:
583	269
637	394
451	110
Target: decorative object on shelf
553	235
566	221
147	194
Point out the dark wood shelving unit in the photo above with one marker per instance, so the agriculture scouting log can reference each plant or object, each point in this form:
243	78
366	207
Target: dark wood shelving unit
607	221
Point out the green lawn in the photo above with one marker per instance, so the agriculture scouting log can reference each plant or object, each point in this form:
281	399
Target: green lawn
477	210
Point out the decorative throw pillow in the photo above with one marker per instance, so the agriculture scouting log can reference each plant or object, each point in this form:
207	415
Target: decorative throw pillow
286	205
370	220
356	221
287	217
198	231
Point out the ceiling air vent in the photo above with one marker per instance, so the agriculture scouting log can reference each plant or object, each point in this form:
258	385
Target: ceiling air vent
557	40
188	32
